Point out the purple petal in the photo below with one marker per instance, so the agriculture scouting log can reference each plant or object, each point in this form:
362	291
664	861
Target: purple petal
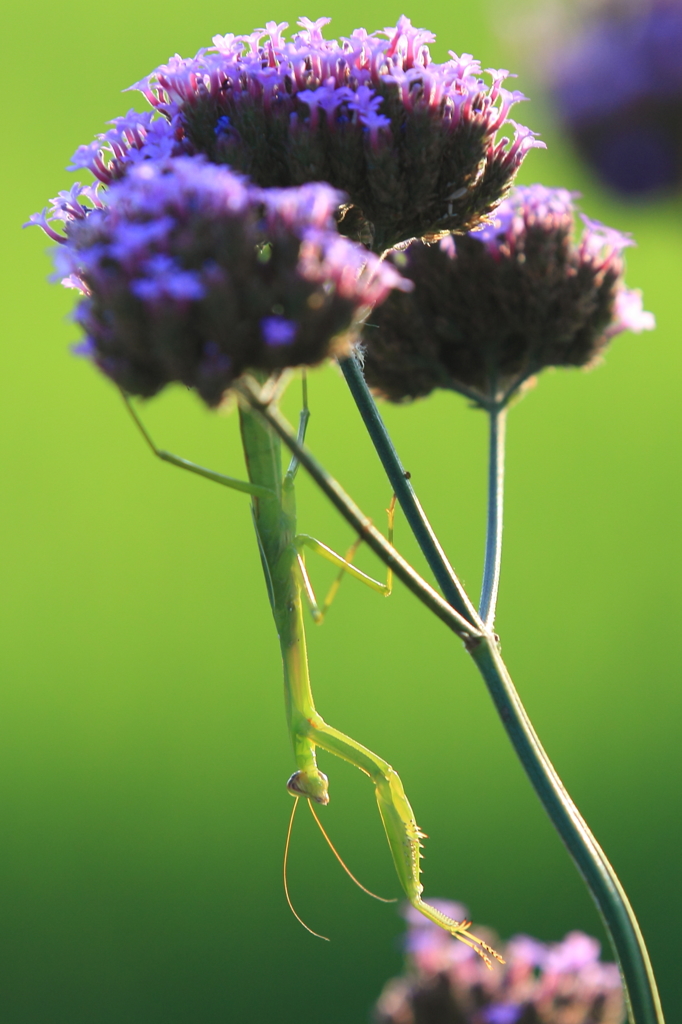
277	330
504	1013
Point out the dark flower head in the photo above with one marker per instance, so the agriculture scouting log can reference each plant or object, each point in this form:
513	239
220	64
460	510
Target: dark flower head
191	274
492	308
412	143
618	88
540	983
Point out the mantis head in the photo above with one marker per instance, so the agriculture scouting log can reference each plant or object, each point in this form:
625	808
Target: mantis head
311	784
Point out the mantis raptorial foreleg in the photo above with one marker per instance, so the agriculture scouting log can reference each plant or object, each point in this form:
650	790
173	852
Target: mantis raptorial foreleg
345	565
403	833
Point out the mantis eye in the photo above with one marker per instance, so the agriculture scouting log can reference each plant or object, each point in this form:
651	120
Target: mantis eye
313	786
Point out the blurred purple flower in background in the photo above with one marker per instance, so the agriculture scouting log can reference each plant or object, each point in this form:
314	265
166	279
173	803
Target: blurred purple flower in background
618	89
541	983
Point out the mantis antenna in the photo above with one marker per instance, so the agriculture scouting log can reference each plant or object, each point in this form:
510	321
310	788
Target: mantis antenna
286	884
382	899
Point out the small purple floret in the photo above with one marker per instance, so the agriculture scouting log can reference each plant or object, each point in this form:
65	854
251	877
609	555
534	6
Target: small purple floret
85	349
277	330
504	1013
575	952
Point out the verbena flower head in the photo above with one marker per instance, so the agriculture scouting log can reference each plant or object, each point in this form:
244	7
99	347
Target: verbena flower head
190	274
492	308
618	88
412	143
446	983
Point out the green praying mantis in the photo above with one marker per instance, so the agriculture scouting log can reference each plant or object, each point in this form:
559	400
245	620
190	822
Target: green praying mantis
282	552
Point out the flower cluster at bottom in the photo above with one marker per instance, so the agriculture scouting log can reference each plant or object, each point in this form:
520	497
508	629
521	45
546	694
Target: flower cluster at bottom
191	274
446	983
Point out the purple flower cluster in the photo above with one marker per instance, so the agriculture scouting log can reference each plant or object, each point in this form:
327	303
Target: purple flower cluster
492	308
412	143
618	88
190	274
541	983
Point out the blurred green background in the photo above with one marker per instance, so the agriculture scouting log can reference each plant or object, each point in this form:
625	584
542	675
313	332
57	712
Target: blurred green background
144	753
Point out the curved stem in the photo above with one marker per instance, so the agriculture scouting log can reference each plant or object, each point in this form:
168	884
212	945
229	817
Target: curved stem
644	1005
493	543
452	589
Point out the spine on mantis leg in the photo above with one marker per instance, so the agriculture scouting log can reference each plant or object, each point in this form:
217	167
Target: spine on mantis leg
275	523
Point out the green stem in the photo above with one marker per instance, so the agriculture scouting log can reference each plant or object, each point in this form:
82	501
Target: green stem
493	543
596	870
640	985
447	580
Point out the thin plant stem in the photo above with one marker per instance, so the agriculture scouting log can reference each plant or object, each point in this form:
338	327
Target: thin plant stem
447	580
644	1005
493	542
643	1001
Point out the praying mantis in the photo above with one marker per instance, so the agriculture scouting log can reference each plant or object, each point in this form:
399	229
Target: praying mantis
282	552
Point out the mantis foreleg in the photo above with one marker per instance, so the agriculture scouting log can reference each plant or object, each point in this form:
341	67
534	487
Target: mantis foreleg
403	834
